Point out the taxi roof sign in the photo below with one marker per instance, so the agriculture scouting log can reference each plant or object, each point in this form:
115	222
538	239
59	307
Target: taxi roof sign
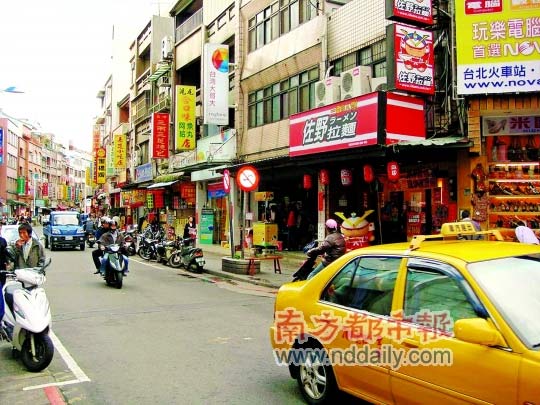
451	230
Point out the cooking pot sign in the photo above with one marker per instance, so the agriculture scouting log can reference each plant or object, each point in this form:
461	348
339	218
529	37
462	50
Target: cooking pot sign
413	55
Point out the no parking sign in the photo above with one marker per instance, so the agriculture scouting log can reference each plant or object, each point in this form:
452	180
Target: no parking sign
248	178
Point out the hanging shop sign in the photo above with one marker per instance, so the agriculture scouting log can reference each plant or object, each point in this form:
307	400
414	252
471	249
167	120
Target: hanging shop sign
160	136
497	46
511	125
264	196
216	84
119	151
1	145
143	173
185	118
410	51
101	166
324	177
226	180
96	137
346	177
216	190
356	122
21	185
412	11
392	171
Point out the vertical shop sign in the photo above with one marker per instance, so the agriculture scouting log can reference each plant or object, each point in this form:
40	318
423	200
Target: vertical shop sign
185	117
101	166
207	226
410	51
216	84
96	137
1	146
119	151
415	11
497	46
21	185
160	136
45	190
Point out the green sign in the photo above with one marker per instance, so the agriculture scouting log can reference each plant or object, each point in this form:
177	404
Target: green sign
40	203
207	226
21	185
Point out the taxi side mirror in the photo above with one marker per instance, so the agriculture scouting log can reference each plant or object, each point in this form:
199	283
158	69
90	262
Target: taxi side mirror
479	331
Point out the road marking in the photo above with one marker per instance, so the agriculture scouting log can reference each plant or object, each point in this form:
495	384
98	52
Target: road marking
70	362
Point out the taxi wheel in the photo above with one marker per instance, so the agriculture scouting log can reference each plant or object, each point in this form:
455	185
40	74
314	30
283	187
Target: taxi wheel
315	376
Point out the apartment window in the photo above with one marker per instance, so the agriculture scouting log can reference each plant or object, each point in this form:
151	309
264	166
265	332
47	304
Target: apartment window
373	55
279	100
278	19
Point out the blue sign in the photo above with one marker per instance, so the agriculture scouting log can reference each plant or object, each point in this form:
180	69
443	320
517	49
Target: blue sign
1	146
143	173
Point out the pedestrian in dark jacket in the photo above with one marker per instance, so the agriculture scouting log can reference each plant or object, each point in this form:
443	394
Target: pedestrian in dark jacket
332	247
5	257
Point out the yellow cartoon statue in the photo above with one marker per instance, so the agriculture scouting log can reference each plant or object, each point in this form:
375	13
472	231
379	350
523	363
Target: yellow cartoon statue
358	231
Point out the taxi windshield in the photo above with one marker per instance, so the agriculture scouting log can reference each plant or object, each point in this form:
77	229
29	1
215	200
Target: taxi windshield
513	286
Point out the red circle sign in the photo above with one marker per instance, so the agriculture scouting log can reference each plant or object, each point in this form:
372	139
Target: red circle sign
247	178
226	181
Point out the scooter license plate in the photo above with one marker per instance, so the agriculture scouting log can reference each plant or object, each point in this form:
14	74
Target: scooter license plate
199	260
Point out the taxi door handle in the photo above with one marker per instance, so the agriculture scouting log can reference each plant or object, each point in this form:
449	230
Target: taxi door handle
410	342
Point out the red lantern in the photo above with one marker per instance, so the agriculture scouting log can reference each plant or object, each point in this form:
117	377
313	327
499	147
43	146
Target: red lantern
368	173
307	181
392	170
346	177
324	177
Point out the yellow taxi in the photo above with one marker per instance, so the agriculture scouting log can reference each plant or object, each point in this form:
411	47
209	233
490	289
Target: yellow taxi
443	319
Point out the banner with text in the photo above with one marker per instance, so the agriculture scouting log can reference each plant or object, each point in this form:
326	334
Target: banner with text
185	118
216	84
160	136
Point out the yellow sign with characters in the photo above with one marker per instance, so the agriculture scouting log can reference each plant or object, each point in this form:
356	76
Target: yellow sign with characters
119	151
498	46
185	117
264	196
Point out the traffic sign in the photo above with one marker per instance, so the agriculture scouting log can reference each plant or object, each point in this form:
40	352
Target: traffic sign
226	181
247	178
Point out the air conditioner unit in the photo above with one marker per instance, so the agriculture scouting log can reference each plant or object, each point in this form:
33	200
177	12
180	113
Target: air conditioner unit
327	91
378	84
355	82
166	48
164	81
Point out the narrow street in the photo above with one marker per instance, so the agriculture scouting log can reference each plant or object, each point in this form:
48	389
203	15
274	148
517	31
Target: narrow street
163	338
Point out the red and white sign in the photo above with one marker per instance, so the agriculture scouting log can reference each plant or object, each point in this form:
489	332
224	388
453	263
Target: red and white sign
399	128
483	6
354	123
344	125
226	181
160	135
419	11
247	178
413	60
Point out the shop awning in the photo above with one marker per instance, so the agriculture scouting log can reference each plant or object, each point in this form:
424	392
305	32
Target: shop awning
446	141
16	202
160	185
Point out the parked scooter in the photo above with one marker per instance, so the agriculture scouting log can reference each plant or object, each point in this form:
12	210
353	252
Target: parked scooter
90	239
130	242
27	318
187	256
114	269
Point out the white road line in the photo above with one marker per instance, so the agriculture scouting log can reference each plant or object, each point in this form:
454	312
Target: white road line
70	362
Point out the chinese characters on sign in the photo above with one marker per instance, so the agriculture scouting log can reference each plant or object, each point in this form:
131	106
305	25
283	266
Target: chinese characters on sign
101	166
160	135
119	159
185	118
416	11
511	125
216	84
412	51
498	46
96	137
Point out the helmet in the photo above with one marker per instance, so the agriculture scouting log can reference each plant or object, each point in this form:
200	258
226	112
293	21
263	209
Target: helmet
113	222
331	224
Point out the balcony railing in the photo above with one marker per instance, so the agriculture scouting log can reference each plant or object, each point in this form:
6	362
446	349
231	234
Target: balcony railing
189	25
164	103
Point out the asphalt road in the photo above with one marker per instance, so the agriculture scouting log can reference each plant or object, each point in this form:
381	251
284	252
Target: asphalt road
164	338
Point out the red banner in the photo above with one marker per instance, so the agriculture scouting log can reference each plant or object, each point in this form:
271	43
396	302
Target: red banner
160	135
344	125
398	129
45	189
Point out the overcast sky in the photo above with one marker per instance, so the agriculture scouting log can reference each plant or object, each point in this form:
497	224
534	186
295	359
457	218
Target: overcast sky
58	52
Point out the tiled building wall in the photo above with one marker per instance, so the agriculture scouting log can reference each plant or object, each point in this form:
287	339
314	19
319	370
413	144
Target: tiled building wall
355	25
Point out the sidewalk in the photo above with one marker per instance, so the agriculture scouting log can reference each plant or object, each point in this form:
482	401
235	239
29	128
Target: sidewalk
290	262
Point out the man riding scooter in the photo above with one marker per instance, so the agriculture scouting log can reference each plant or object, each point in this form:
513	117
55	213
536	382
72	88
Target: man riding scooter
109	238
98	253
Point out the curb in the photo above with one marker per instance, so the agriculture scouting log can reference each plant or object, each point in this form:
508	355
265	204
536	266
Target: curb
235	277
